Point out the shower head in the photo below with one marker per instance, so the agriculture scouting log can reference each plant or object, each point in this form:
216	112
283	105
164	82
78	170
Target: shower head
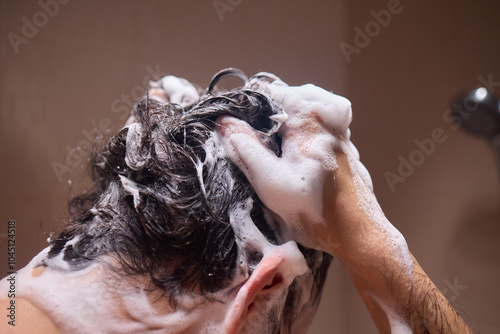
478	112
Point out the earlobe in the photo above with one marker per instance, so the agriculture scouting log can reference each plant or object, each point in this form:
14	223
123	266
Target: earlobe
264	281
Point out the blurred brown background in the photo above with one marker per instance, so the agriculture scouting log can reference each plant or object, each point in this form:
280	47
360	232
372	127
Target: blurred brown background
66	71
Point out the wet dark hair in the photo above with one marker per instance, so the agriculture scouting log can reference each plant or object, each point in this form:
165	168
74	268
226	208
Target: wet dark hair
174	223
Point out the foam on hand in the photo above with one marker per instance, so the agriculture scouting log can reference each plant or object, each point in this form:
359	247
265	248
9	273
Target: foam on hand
292	184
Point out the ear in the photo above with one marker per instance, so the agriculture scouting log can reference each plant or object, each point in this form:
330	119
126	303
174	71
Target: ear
264	281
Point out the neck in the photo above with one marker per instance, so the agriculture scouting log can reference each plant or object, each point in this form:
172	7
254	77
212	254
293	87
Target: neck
114	303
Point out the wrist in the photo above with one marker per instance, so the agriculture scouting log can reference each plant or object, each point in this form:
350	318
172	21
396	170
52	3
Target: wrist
386	285
379	262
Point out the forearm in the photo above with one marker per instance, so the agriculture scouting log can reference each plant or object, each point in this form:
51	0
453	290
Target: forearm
383	273
431	312
394	287
393	303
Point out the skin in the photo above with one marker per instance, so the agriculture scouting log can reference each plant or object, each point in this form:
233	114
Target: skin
248	302
35	320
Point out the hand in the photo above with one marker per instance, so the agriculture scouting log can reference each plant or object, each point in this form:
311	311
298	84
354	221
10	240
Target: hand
323	195
292	185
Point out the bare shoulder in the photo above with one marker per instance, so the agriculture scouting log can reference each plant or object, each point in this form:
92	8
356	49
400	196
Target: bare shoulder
23	316
28	318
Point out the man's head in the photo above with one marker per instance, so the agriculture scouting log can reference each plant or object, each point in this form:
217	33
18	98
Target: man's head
168	204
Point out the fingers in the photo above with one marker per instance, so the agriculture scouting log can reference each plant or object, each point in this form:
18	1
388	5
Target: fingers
333	111
244	147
